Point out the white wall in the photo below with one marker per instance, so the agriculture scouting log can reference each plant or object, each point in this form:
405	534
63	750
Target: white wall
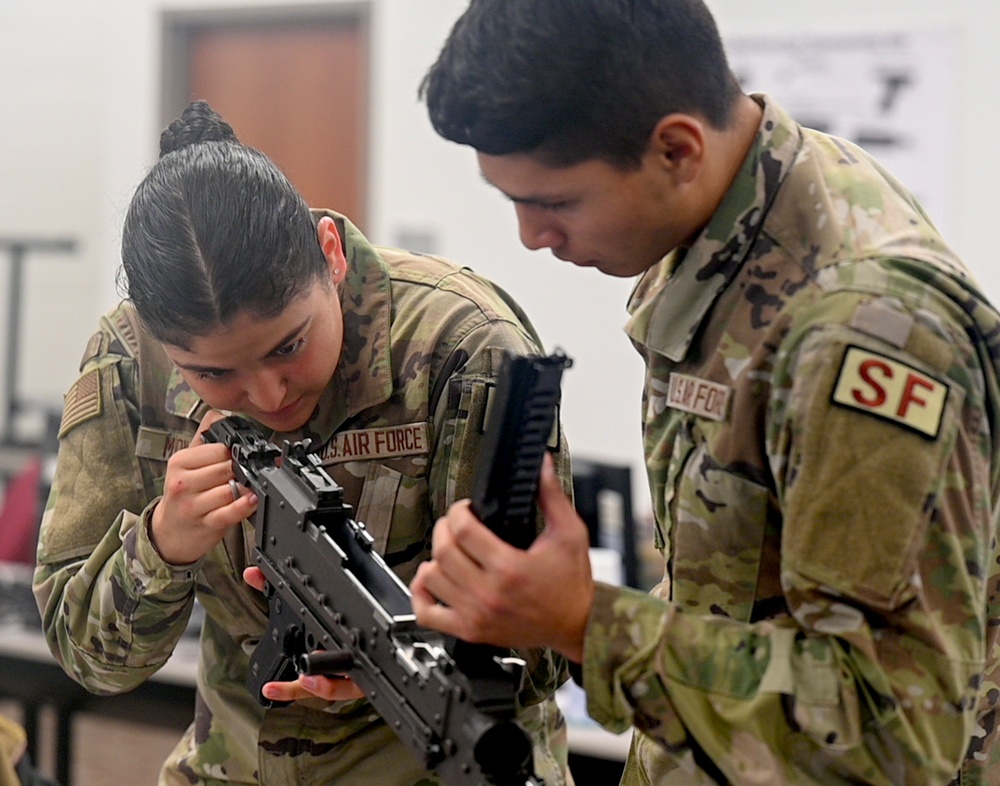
79	100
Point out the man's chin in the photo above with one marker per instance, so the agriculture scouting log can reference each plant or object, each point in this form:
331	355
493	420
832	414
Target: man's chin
577	262
608	268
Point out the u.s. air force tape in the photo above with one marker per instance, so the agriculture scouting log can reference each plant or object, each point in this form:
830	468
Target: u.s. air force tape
407	439
888	389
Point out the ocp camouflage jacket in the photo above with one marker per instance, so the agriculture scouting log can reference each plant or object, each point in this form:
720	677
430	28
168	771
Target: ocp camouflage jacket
821	436
400	426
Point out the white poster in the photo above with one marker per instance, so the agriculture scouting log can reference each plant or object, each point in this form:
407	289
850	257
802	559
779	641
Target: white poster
891	93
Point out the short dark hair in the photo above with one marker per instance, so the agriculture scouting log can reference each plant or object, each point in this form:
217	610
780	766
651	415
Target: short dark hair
572	80
213	230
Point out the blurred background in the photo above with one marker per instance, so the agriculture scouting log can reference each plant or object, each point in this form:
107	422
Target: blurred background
329	91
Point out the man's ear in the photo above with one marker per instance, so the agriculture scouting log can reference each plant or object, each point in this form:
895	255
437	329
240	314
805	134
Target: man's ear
333	248
678	144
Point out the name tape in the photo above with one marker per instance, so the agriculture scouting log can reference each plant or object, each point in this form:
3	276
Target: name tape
154	443
698	396
409	439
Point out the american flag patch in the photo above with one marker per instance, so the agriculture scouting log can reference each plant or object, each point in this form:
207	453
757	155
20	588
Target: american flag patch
83	402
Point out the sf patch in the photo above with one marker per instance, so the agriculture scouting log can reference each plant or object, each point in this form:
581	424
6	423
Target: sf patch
891	390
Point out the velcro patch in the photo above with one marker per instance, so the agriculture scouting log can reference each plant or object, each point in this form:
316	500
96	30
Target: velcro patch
891	390
555	437
491	389
409	439
698	396
82	402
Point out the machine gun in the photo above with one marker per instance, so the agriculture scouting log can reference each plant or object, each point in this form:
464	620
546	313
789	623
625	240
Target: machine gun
336	607
505	484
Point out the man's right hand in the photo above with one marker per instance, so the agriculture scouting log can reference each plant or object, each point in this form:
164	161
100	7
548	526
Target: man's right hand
481	589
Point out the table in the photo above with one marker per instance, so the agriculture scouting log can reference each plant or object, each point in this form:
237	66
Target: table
30	676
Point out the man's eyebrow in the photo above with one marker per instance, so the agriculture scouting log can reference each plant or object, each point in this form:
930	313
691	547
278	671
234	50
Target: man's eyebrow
215	369
537	201
531	199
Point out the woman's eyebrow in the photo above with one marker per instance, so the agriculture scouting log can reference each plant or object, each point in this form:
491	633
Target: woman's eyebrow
196	369
288	337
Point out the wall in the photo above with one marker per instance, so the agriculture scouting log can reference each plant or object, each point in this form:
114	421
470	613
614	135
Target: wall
80	100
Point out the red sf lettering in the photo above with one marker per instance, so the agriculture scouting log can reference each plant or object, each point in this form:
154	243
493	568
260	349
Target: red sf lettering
865	372
909	397
700	395
889	389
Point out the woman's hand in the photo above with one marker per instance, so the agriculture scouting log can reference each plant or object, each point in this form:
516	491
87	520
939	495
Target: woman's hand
198	504
306	686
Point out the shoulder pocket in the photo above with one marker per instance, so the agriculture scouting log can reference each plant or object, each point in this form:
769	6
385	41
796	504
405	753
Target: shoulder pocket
870	431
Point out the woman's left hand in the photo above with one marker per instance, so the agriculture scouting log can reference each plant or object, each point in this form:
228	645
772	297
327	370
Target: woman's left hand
306	686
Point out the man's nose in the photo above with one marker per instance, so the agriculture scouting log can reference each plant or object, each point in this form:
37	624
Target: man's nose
536	229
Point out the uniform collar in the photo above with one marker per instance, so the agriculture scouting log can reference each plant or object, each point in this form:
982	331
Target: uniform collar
670	301
363	378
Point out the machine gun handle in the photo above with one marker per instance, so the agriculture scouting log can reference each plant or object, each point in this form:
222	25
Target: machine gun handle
520	423
275	658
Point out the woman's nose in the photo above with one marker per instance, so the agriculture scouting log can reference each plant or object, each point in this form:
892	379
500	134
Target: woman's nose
266	391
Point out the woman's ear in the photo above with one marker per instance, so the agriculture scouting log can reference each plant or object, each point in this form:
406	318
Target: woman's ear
333	248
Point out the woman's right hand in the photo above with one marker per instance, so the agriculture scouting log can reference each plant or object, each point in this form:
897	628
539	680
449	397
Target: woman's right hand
197	507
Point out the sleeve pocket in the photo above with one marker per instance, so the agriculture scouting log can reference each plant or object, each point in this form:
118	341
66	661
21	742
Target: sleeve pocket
861	489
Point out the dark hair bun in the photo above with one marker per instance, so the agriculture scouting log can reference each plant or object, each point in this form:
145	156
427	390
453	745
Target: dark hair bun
197	123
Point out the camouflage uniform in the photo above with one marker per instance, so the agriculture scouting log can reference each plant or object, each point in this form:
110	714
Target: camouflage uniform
420	347
821	441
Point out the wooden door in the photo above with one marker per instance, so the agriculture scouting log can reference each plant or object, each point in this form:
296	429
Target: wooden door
294	87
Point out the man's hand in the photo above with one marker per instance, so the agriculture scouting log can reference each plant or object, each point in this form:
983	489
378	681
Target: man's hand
306	686
198	503
483	590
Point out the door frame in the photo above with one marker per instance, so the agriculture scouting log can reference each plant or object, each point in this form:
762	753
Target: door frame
179	26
